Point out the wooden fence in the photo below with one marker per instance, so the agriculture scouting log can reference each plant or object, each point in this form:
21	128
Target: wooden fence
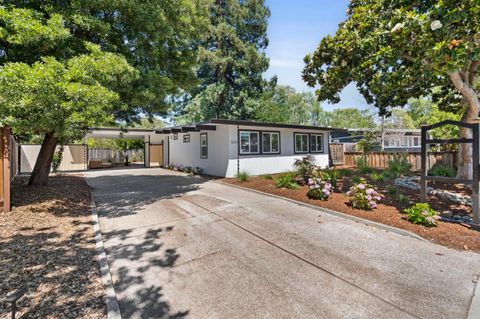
5	172
381	159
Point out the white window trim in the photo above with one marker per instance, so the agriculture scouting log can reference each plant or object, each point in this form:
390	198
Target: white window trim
203	136
241	152
295	143
271	133
321	144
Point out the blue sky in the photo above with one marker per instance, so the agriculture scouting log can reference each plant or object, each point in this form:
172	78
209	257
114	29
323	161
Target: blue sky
295	29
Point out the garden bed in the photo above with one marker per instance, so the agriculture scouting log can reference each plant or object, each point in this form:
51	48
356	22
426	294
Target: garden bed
47	245
389	210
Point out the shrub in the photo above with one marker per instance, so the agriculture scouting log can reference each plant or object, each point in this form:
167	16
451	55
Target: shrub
356	179
344	172
362	166
305	167
399	166
363	196
392	190
242	176
442	170
197	171
188	169
319	189
328	176
377	177
56	160
422	214
286	181
403	200
267	176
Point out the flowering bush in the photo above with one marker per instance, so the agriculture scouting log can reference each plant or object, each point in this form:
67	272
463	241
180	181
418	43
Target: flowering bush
319	189
422	214
363	196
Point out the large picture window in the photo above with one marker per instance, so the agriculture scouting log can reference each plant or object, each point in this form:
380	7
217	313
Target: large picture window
203	145
316	143
270	142
249	141
301	142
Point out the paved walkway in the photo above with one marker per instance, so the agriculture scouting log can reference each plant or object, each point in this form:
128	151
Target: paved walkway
184	247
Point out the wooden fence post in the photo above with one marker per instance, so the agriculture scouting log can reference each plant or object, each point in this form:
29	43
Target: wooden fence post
423	181
476	175
5	161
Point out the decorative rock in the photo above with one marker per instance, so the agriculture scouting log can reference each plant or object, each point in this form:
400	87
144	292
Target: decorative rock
466	218
447	213
457	217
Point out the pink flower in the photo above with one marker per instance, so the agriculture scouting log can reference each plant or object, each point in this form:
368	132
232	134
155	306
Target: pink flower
349	193
370	191
369	198
310	181
361	186
378	198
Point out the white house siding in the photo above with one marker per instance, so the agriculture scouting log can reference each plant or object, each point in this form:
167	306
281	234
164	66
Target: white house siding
188	154
275	163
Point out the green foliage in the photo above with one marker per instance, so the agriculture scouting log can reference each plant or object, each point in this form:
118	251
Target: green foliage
442	170
57	160
344	172
363	196
267	176
242	176
351	118
403	200
356	179
368	142
377	177
422	214
392	190
319	188
286	180
399	119
232	61
362	166
399	166
305	167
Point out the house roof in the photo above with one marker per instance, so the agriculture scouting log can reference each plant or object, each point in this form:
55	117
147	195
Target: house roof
211	125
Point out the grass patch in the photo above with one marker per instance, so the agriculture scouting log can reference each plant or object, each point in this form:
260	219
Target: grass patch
242	176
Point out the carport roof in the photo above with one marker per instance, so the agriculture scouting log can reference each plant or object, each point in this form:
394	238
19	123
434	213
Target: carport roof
211	125
107	132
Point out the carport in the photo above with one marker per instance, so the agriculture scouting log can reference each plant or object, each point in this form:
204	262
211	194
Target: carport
153	142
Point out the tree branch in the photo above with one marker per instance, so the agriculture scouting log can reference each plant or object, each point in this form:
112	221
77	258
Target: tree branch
473	71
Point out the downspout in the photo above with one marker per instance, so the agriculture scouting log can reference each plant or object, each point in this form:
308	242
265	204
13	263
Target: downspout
238	150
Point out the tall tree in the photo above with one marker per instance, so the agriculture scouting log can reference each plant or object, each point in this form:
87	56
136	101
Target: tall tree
399	119
351	118
232	61
157	37
398	49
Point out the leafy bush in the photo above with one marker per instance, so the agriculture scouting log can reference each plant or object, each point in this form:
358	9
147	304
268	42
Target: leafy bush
267	176
319	189
399	166
344	172
356	179
286	181
188	169
404	200
362	166
305	167
327	175
197	171
57	160
242	176
442	170
422	214
392	190
363	196
376	177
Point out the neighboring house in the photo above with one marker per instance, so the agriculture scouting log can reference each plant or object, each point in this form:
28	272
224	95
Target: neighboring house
226	147
395	140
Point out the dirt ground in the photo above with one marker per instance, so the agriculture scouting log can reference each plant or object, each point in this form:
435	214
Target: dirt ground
47	245
453	235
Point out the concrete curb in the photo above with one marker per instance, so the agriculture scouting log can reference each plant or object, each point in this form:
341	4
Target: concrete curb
113	310
335	213
474	310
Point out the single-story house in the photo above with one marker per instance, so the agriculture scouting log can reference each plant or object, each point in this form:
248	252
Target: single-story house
394	140
226	147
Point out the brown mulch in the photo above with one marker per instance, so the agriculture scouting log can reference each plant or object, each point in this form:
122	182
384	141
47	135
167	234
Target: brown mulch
47	245
453	235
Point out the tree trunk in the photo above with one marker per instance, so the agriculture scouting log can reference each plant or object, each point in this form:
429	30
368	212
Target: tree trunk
44	160
470	97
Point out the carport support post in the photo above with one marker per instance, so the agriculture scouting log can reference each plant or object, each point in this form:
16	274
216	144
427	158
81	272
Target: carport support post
423	181
476	175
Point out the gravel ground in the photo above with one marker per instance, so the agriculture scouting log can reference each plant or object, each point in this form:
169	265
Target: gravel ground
47	245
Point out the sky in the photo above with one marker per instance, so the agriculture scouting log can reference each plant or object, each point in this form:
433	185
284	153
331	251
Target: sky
295	29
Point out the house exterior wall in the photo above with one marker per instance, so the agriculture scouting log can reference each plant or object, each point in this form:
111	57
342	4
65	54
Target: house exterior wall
272	163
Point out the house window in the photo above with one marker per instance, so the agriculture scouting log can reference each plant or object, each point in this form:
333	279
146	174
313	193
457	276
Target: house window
203	145
249	142
316	143
416	141
301	142
175	136
186	138
270	142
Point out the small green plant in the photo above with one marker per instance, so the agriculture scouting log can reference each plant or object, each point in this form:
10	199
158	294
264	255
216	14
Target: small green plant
399	166
242	176
286	180
305	167
422	214
327	175
267	176
442	170
403	200
376	177
344	172
319	189
362	166
363	196
392	190
57	160
356	179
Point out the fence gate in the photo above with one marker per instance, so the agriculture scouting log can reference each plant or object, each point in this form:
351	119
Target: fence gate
156	154
336	153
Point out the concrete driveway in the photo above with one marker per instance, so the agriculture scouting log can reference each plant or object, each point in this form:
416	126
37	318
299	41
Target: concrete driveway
183	247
